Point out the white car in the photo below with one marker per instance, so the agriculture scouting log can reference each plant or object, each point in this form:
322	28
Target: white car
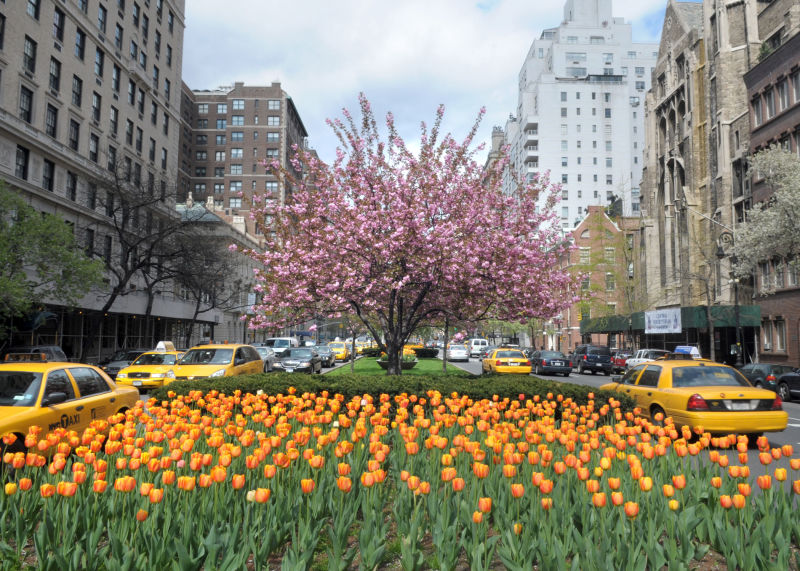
457	353
644	355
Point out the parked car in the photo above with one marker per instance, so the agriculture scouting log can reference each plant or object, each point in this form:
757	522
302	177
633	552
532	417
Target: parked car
788	385
300	360
504	360
217	360
485	353
699	392
281	344
56	394
476	346
551	363
340	350
592	358
644	355
326	355
457	352
765	374
51	352
122	359
150	369
619	359
267	356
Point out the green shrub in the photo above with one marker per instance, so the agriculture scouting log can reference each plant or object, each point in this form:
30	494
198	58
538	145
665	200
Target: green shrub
349	386
371	352
426	352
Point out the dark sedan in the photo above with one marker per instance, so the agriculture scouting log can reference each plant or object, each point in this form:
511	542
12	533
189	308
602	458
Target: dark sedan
299	360
789	386
326	355
765	375
551	363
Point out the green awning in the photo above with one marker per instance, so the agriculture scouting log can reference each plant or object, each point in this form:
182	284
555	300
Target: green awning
691	318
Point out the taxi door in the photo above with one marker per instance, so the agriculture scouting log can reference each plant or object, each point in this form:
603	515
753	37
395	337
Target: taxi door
96	397
627	384
67	414
644	390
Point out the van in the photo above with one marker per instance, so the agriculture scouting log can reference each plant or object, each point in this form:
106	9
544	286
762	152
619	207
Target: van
477	346
281	344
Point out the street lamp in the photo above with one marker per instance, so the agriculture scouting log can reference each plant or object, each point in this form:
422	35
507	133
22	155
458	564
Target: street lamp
726	238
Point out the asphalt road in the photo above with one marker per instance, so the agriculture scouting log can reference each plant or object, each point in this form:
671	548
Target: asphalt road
789	436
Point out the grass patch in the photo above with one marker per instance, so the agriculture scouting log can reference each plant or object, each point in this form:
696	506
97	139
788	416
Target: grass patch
369	366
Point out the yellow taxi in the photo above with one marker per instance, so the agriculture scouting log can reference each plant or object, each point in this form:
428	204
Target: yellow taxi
701	393
340	350
506	360
217	360
56	394
150	369
361	345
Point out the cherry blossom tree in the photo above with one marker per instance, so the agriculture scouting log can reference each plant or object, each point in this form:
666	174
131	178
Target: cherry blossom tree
397	237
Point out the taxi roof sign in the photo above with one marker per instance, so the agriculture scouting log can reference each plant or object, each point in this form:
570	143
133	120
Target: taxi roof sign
26	357
164	346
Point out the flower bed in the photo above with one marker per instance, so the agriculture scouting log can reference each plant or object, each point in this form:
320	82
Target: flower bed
253	481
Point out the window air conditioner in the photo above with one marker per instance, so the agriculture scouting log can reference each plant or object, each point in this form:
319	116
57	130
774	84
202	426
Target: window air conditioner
767	346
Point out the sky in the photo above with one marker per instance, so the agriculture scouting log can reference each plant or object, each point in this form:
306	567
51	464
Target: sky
406	56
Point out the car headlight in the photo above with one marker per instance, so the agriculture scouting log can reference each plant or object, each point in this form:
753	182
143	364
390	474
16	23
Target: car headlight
122	375
155	376
219	373
171	374
278	364
304	364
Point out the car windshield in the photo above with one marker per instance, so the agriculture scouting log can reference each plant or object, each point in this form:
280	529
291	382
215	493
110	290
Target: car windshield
509	355
19	388
599	351
707	376
263	351
323	350
207	357
552	355
336	345
300	353
155	359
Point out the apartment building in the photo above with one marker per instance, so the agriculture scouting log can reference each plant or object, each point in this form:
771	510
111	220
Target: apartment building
580	113
228	136
90	89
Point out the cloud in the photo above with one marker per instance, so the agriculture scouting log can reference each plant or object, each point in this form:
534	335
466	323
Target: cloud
408	57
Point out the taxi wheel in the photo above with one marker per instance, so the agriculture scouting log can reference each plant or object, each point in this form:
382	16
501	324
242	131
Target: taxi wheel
783	392
654	411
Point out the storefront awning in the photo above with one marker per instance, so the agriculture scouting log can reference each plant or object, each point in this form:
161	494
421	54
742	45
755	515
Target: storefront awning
691	318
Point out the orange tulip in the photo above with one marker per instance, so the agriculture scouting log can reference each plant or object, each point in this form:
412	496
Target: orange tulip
262	495
10	488
168	477
47	490
269	471
448	474
744	488
547	503
679	481
673	505
485	504
739	501
344	469
307	485
477	517
219	474
458	484
517	528
631	509
141	515
204	480
614	483
716	482
25	484
796	486
646	483
517	490
764	482
546	486
725	501
413	482
144	488
559	468
237	481
599	499
99	486
592	486
156	495
765	458
668	490
480	470
780	474
424	488
616	498
509	470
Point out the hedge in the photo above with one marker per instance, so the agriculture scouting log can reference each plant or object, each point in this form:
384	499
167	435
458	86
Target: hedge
426	352
349	386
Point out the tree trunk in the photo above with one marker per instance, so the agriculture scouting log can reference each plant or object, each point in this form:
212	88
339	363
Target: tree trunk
352	351
446	337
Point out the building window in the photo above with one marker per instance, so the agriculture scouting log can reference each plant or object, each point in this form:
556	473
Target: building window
273	104
609	179
170	21
766	278
220	139
237	120
219	188
77	90
219	156
273	137
783	95
273	121
115	75
235	203
119	36
112	158
564	178
25	104
237	136
33	9
272	153
94	143
140	100
51	121
167	87
200	155
58	24
609	162
29	55
780	335
780	274
202	108
80	44
202	123
222	123
129	132
164	158
769	100
139	137
72	186
151	154
135	14
157	44
48	174
165	124
238	104
236	186
169	55
113	118
201	139
55	74
90	242
21	165
610	255
796	86
236	170
219	172
97	102
74	134
271	186
102	18
237	153
611	283
154	113
564	161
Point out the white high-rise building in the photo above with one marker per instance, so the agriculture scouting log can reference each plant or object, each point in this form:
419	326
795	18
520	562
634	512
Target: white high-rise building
580	111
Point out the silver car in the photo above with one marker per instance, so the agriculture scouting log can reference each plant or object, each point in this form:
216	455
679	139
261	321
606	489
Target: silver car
268	356
457	353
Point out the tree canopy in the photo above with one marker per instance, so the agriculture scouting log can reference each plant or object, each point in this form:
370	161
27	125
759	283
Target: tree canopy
397	237
772	228
39	259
